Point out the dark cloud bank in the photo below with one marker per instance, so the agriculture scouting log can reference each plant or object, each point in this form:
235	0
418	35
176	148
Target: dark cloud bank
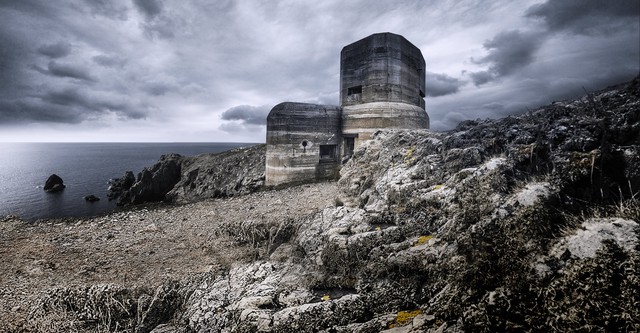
247	114
512	50
56	66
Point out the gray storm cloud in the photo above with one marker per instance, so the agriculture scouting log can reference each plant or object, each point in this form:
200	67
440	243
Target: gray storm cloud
68	70
89	62
442	84
57	50
507	52
253	115
587	16
149	8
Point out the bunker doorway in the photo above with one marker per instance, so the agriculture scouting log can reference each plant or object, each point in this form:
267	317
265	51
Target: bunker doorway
349	144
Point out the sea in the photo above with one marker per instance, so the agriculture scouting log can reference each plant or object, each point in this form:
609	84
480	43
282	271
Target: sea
85	168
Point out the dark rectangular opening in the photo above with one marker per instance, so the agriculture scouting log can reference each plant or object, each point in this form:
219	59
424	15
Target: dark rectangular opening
354	90
328	153
349	145
421	93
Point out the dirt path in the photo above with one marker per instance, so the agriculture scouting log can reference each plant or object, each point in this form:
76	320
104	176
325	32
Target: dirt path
139	247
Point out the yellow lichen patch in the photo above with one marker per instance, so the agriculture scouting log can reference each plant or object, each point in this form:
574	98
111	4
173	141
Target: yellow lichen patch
408	157
404	317
423	239
437	187
326	298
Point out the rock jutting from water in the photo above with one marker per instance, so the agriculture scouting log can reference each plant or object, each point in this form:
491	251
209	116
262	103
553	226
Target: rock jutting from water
117	186
91	198
54	184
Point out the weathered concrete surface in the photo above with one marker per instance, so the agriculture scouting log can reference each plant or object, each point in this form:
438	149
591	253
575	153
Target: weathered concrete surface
382	84
296	132
386	66
366	119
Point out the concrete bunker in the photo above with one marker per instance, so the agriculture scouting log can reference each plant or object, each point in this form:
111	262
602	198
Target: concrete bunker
302	143
382	84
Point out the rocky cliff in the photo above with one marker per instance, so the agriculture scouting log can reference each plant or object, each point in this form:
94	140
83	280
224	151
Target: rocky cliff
176	178
518	224
528	223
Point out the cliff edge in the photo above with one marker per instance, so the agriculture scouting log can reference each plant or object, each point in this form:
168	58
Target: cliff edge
522	223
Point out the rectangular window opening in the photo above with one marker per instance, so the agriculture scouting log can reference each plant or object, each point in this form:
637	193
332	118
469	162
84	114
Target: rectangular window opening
354	90
422	93
328	153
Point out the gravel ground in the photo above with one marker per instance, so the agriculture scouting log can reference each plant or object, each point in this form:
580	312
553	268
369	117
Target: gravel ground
141	246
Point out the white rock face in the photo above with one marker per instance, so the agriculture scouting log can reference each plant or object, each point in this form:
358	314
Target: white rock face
532	193
588	240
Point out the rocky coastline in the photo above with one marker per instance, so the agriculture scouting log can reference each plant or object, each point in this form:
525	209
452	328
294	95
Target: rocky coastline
181	179
527	223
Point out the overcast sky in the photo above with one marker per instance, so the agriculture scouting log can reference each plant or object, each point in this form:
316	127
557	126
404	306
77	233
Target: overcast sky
210	70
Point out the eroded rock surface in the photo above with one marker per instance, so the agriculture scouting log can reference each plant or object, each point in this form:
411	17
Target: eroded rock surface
527	223
484	228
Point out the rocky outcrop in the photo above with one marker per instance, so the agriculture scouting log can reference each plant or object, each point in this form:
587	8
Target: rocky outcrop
523	223
91	198
176	178
231	173
54	184
528	223
118	186
155	182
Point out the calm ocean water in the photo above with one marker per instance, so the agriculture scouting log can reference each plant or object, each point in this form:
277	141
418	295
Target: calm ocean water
85	169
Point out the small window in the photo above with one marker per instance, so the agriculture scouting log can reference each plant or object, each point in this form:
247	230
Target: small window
422	93
328	153
354	90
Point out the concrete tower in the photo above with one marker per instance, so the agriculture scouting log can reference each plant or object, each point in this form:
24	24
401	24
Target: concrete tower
382	85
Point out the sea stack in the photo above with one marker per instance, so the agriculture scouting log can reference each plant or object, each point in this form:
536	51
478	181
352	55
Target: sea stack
54	184
91	198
